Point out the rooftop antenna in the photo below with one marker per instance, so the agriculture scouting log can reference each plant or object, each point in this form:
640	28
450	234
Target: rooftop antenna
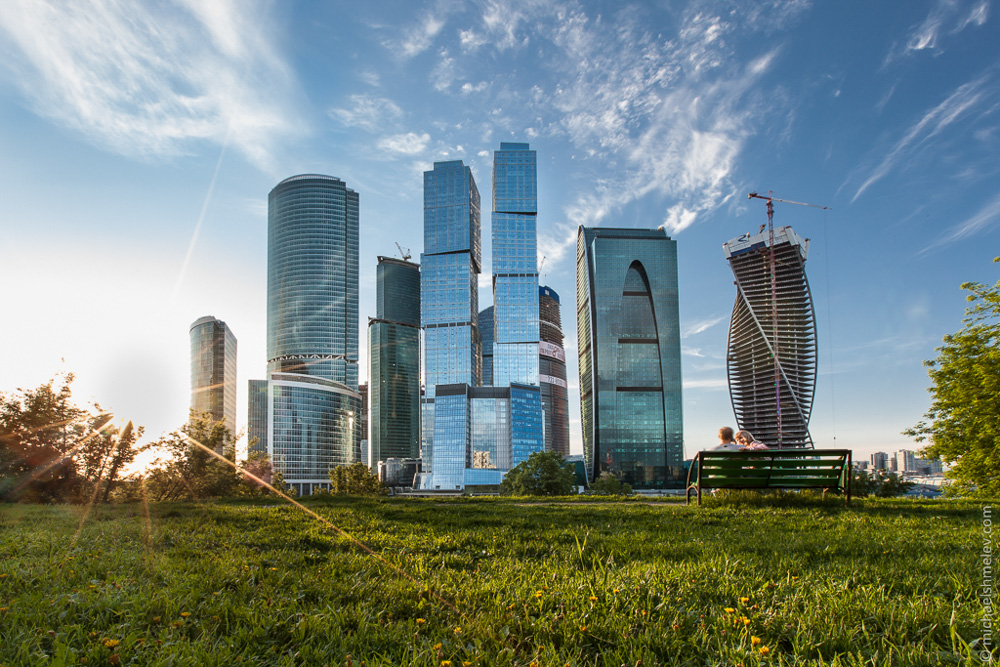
774	288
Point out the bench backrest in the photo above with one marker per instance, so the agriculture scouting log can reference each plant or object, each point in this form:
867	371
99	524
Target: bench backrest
774	468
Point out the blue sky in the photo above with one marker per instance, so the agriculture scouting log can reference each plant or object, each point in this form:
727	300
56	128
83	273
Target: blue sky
138	142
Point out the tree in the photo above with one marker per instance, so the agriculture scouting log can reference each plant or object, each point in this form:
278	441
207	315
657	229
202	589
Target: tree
879	485
53	451
542	474
961	425
355	480
609	484
190	469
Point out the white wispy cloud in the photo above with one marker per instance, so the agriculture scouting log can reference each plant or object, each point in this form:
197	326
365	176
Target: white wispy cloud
406	144
700	326
148	79
369	112
710	383
444	72
672	111
986	216
932	123
947	17
469	88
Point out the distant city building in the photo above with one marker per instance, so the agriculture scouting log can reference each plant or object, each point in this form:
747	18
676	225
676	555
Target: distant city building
629	350
307	415
486	332
756	362
363	429
880	461
552	373
394	358
398	472
213	370
906	461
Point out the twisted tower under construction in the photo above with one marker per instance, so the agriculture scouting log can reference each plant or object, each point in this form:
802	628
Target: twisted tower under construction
771	354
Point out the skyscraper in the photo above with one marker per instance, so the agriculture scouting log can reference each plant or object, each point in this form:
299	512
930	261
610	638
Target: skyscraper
213	370
762	367
515	266
449	315
394	356
310	417
473	434
629	351
552	373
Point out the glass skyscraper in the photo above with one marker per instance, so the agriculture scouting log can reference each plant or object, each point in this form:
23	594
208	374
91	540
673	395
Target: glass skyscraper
762	367
629	351
213	370
486	334
472	433
394	358
552	373
311	415
515	266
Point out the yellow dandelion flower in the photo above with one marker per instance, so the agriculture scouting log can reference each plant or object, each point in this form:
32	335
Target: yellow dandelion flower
458	630
643	612
111	643
538	594
466	663
593	598
157	619
794	578
446	663
185	614
534	663
744	600
616	591
421	621
729	610
755	641
3	575
437	647
746	621
583	628
763	650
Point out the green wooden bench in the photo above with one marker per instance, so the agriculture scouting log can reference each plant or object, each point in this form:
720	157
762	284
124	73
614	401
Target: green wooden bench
826	469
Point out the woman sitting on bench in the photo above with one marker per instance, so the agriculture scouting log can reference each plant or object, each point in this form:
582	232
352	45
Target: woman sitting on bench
747	442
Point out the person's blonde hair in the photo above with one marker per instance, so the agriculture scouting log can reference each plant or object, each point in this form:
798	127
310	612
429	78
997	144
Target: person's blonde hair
744	435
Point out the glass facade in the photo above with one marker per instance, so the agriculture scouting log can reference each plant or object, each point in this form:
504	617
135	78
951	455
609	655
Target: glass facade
450	266
312	405
629	351
394	357
515	265
552	373
486	334
213	370
314	425
312	279
257	417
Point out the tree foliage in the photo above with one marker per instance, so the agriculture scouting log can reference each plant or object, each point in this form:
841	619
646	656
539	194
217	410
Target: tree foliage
879	485
962	425
609	484
355	480
52	450
542	474
188	469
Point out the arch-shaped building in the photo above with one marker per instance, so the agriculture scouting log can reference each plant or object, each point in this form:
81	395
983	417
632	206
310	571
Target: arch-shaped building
629	351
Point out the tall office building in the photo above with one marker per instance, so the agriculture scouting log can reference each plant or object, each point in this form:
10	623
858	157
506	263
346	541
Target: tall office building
515	266
629	351
394	358
449	316
478	432
552	373
213	370
307	417
879	461
763	366
486	334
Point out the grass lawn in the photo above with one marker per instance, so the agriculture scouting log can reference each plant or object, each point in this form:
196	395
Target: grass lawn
450	582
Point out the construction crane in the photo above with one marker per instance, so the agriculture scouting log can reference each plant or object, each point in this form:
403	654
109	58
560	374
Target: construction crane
405	254
774	289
